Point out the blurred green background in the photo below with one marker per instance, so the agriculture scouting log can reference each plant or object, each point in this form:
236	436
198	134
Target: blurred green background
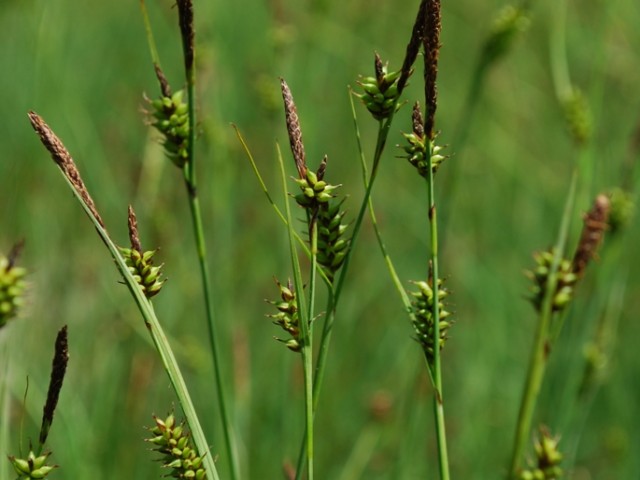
84	66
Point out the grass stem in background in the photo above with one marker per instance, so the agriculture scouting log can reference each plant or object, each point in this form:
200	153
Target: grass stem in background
539	352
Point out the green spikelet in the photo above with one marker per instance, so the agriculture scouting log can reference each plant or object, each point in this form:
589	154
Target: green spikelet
171	119
332	246
12	287
578	116
416	148
548	459
423	321
380	93
315	191
508	24
622	210
287	316
140	263
173	442
539	275
32	466
141	266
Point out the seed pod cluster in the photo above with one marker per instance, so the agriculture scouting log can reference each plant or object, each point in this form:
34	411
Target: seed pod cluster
32	466
332	246
315	191
566	280
171	119
507	25
417	147
548	459
287	316
12	287
423	321
174	443
141	266
380	93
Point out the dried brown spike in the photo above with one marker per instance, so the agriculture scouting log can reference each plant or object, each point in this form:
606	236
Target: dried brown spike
378	66
164	84
58	370
134	238
293	128
14	254
595	224
413	47
418	122
63	159
322	168
185	15
431	41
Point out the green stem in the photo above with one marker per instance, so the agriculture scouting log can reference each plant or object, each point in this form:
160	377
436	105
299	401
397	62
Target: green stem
441	436
189	172
541	345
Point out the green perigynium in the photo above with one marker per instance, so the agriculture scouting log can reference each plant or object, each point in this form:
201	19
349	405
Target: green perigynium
578	116
141	266
287	317
380	93
423	321
174	443
418	146
12	287
171	119
548	458
32	466
622	210
566	280
332	246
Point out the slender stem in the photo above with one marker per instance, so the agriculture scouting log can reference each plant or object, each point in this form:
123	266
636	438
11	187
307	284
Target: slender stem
196	217
189	172
4	402
441	436
541	345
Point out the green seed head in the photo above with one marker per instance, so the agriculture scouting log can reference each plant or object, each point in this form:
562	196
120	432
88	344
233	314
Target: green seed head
12	288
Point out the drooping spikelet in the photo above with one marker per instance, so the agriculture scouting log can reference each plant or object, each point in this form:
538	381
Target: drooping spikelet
566	280
287	317
423	319
140	263
548	458
32	466
12	285
173	442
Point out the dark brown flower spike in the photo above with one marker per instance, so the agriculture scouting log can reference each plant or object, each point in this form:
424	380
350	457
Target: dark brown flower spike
595	224
293	129
134	238
185	14
413	47
431	41
162	79
58	370
63	159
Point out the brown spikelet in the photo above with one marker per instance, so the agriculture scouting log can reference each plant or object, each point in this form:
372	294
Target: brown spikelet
14	254
293	128
378	67
63	159
58	370
595	224
431	43
413	47
418	122
185	14
133	230
164	84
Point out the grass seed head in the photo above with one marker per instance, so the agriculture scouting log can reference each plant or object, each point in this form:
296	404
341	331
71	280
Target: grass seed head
12	285
380	93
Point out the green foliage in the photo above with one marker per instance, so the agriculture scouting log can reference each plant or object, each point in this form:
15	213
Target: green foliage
85	65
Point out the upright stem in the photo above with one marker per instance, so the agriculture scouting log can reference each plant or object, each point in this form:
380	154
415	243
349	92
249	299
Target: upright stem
441	436
189	172
541	345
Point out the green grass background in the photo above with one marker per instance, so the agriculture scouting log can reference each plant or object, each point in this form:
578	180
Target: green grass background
84	66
